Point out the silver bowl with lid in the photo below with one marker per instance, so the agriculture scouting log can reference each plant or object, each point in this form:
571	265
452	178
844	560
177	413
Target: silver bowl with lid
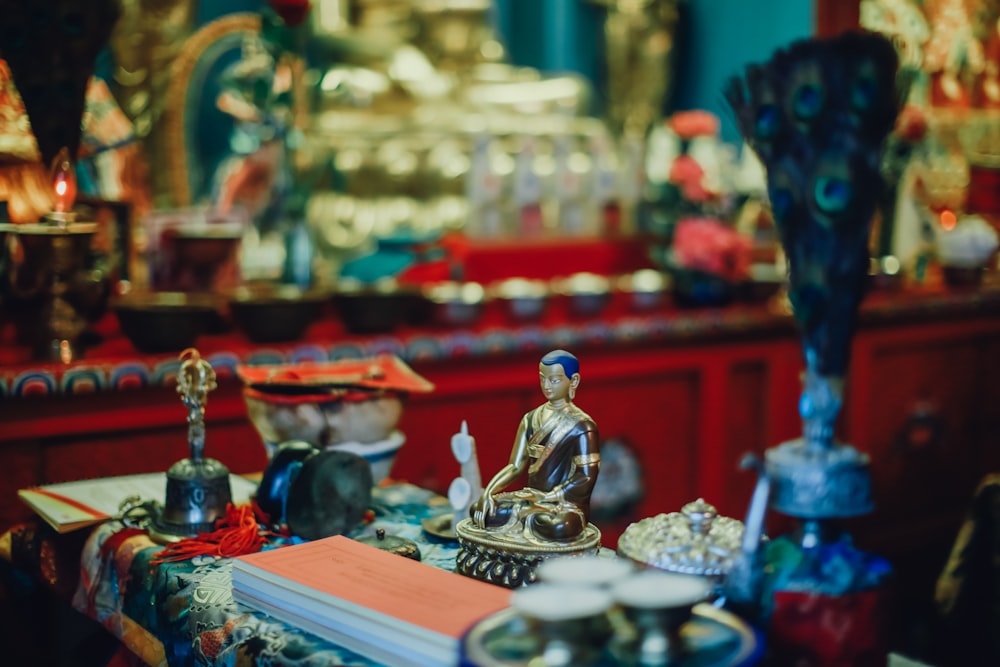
695	540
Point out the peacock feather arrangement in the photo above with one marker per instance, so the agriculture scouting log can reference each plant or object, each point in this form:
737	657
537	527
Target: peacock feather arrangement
817	114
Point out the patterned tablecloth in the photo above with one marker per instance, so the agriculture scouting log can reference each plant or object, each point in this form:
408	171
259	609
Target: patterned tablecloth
183	613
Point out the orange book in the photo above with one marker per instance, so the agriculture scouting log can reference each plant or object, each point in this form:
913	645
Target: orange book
384	606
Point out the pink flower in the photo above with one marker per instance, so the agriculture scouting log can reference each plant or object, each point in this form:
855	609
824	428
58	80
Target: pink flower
706	244
691	124
687	174
685	169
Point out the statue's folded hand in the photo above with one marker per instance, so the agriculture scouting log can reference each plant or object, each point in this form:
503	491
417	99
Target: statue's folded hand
528	494
483	509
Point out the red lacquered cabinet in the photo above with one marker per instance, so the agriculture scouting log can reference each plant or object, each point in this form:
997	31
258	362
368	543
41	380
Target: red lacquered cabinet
686	392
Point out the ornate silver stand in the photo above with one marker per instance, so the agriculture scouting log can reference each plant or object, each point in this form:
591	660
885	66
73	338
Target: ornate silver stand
812	478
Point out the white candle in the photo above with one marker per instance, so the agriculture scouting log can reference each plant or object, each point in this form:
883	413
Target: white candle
462	444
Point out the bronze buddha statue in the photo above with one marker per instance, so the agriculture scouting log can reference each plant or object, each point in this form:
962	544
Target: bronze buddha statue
557	443
509	533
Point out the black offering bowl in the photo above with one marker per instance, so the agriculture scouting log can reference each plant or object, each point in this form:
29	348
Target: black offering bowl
158	322
275	313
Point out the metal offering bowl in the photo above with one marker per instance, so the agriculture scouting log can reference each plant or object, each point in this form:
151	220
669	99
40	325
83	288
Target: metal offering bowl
158	322
377	308
275	313
454	303
524	300
588	293
647	289
204	248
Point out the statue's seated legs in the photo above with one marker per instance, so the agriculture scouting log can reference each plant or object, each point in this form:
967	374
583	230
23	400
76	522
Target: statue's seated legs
559	522
559	526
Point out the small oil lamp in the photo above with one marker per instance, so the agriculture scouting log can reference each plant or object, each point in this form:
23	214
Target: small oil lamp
64	189
52	273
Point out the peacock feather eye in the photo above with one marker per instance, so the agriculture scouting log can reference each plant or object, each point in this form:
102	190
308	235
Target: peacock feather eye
767	123
864	93
833	195
807	101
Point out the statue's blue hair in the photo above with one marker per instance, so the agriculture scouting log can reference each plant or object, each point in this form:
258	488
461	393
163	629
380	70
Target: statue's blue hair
570	364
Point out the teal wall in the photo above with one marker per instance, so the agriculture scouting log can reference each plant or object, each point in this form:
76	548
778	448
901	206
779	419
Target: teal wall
723	36
716	40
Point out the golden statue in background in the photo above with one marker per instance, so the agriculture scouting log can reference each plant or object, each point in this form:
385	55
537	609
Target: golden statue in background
146	40
639	50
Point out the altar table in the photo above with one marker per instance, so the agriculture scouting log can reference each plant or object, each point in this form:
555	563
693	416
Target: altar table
183	613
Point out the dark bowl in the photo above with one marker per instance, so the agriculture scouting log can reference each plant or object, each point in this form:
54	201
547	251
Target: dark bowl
204	249
375	308
646	289
455	304
164	321
275	314
962	277
587	293
696	289
523	299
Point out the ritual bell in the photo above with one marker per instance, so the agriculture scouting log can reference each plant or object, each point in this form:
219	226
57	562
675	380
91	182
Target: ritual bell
198	489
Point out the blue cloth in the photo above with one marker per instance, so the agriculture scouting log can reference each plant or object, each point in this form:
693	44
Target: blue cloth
188	608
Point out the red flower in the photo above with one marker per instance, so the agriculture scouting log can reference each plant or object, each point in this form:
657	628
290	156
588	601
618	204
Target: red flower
911	124
705	244
292	12
691	124
686	173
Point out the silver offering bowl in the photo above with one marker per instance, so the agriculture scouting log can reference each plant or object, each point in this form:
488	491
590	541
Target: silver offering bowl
656	605
57	288
568	623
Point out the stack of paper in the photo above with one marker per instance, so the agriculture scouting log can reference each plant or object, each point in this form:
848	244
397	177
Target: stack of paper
87	502
383	606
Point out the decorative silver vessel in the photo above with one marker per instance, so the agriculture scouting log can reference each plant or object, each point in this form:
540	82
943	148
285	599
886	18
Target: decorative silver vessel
694	541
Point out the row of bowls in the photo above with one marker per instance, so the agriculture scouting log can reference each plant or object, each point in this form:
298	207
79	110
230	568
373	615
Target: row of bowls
170	321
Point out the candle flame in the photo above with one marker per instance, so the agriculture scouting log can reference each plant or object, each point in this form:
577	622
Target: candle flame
63	181
948	220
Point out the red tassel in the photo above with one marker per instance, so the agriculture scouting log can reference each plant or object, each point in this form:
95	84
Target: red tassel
235	534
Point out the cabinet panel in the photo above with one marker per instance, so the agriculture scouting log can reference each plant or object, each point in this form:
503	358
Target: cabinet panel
236	444
746	432
429	422
657	416
988	410
920	425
